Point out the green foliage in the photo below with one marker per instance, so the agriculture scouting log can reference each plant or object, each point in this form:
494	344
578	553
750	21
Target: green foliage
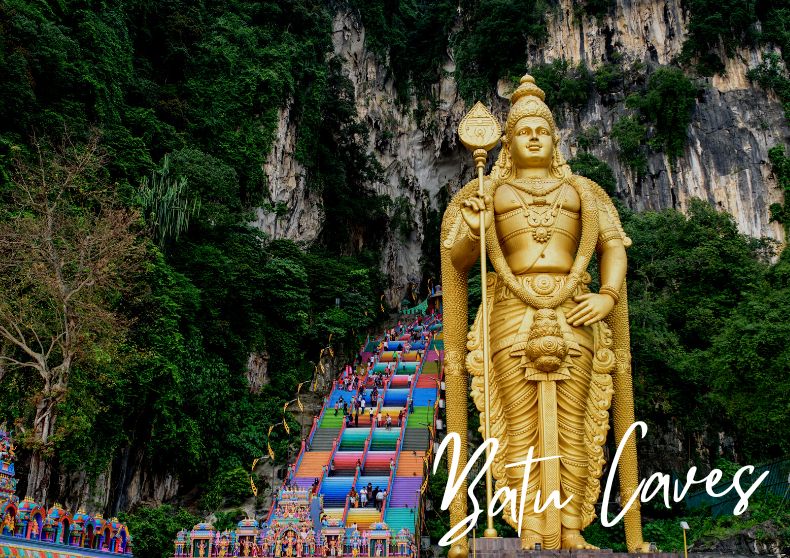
414	34
228	520
703	306
333	144
780	165
494	41
214	183
729	23
608	77
154	528
229	487
597	8
202	84
564	83
771	74
587	164
402	218
666	105
630	137
588	137
166	205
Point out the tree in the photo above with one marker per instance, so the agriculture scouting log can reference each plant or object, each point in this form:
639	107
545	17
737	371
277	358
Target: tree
66	248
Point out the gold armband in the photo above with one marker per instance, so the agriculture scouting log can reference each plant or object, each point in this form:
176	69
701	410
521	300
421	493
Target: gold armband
472	236
611	291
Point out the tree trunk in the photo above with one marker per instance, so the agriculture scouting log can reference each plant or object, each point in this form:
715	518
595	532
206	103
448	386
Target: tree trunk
40	466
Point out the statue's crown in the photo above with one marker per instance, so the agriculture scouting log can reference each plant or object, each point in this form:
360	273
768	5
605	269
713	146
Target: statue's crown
527	87
527	100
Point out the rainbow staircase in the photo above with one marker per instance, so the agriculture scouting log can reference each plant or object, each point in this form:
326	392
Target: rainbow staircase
372	455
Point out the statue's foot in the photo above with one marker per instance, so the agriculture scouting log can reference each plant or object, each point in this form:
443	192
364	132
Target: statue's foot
573	540
529	539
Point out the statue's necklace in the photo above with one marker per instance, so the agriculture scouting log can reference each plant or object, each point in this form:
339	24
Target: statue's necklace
537	186
541	216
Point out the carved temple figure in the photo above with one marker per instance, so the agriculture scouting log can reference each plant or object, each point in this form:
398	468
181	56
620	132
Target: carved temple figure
559	353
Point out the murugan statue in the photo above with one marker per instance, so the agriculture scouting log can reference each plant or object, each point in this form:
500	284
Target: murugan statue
559	354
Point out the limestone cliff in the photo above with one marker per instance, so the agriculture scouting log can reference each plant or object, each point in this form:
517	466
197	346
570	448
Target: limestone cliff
725	159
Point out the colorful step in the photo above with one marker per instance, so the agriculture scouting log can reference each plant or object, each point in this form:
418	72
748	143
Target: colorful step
363	517
384	440
354	439
312	464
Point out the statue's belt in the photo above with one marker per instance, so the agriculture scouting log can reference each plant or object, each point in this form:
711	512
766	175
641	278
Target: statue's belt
541	285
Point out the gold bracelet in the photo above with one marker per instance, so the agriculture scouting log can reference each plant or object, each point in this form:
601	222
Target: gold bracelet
611	291
472	236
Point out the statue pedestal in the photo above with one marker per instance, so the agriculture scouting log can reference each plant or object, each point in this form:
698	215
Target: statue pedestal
511	548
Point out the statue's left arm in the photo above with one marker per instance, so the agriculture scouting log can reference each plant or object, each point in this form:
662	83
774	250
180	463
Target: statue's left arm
613	264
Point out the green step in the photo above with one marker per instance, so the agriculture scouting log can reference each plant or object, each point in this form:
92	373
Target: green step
398	518
421	417
331	420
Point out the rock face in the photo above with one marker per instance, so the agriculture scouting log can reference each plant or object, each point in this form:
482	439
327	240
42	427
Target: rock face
733	125
295	212
725	159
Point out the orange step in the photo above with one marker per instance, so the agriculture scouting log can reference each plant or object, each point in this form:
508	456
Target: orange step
312	462
410	465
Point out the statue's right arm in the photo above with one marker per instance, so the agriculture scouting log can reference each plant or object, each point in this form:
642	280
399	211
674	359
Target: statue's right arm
466	246
465	250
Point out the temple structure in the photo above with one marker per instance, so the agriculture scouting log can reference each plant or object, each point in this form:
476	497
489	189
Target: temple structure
29	529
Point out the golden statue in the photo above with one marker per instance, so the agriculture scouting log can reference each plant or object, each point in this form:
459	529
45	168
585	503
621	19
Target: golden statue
558	354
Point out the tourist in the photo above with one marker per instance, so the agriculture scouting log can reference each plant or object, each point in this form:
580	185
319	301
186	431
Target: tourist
392	466
380	499
337	406
371	416
411	404
411	376
363	405
345	408
400	418
374	496
363	497
389	422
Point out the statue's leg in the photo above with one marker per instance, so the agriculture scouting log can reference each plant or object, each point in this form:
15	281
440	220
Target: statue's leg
520	405
571	408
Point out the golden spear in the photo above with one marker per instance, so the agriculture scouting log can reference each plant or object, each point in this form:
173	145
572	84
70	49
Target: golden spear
480	132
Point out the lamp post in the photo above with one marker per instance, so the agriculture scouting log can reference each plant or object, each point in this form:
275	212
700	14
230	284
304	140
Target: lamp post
685	527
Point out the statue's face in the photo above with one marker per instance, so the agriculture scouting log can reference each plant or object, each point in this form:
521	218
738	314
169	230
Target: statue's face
532	145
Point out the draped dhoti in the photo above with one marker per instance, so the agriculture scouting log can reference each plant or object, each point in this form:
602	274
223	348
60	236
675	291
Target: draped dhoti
579	423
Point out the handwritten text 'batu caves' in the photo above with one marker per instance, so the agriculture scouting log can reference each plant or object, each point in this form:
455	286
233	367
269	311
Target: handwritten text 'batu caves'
647	490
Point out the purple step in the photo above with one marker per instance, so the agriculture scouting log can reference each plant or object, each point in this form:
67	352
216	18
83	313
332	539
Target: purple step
405	492
305	482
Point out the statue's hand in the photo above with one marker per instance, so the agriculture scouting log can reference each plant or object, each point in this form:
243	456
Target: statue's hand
471	212
592	308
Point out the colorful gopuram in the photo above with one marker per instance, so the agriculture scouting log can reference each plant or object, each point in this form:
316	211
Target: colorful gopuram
30	530
355	488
